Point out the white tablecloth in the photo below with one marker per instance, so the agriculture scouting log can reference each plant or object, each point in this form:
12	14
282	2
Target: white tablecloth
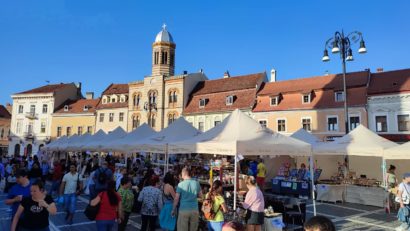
374	196
272	223
331	193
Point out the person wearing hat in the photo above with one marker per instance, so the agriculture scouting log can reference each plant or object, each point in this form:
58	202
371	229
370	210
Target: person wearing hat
404	198
19	191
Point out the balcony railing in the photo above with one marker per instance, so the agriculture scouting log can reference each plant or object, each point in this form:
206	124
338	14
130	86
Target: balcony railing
29	135
31	115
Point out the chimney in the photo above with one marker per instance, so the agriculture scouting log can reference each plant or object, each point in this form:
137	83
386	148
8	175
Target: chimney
78	85
226	74
380	69
272	75
89	95
9	107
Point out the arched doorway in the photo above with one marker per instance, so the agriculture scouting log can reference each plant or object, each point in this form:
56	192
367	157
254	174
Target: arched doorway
17	150
29	149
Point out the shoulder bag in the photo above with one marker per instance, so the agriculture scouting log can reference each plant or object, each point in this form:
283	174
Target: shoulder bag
92	211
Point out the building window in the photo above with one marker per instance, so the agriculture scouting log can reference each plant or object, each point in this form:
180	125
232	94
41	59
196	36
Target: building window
80	130
201	126
45	108
121	118
264	123
332	124
229	100
216	122
66	108
172	96
85	108
104	100
113	100
403	123
32	109
381	123
136	100
90	129
164	57
59	129
306	98
306	124
135	121
152	97
43	127
354	121
172	59
156	57
281	125
274	100
202	103
171	118
339	96
68	131
21	108
19	126
151	120
101	117
111	117
2	133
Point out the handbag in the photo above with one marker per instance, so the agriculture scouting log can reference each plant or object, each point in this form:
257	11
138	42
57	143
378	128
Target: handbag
405	198
92	211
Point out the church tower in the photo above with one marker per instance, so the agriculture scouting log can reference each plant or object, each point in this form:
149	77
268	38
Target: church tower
163	54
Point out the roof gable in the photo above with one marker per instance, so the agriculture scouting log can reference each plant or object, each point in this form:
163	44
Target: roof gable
4	113
50	88
389	82
115	88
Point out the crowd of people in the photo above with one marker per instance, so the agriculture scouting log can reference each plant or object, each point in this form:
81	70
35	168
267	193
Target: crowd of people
120	187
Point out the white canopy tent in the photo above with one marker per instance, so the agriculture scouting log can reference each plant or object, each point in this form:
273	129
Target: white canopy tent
73	144
64	145
400	152
125	143
239	134
360	142
53	146
85	145
100	144
306	137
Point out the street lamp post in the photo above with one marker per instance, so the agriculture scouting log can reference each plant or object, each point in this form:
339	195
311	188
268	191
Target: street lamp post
341	43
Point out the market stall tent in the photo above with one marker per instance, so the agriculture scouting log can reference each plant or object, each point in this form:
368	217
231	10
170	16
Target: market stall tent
86	144
400	152
306	137
64	145
73	144
100	145
125	143
53	146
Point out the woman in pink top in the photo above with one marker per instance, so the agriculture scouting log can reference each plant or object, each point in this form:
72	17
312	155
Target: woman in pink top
254	204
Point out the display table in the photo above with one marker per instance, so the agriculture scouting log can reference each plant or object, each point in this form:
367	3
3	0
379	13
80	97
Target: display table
374	196
273	223
330	193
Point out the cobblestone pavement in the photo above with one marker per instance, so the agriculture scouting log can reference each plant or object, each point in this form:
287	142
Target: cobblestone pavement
346	217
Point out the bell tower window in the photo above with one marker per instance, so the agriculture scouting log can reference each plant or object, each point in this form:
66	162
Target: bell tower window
156	57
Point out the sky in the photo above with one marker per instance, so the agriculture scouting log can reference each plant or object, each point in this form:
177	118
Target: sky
99	42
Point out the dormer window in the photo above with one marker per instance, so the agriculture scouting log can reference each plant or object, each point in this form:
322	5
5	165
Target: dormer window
229	100
202	103
274	100
85	108
339	96
306	98
66	108
113	100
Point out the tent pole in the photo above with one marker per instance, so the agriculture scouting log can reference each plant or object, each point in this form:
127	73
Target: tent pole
312	175
235	182
166	160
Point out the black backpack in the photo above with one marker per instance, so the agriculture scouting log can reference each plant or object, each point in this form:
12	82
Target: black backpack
102	177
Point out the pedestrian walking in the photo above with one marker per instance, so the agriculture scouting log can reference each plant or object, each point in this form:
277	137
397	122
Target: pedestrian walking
110	208
101	178
35	172
151	198
403	195
254	204
127	200
218	206
57	175
70	188
18	192
166	221
187	194
33	212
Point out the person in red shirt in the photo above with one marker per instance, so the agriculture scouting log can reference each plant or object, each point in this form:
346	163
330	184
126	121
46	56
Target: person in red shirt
110	208
56	178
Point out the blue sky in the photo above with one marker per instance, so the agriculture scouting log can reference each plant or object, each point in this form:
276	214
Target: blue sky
98	42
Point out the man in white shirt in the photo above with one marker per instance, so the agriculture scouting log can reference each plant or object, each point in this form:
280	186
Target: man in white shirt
70	187
404	196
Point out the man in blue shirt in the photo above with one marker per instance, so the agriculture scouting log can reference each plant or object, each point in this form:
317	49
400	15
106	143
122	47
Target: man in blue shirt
101	177
187	194
18	191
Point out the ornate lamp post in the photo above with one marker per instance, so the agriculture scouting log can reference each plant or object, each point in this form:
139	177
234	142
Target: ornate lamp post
341	43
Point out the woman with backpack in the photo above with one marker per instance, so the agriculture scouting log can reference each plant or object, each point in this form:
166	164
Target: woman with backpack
166	221
151	198
110	208
217	207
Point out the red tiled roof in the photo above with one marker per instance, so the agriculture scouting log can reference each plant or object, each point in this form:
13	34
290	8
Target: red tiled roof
50	88
77	106
389	82
4	114
243	99
353	79
322	89
116	88
243	88
112	105
229	84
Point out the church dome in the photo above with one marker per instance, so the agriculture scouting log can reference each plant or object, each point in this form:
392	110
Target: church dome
164	36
